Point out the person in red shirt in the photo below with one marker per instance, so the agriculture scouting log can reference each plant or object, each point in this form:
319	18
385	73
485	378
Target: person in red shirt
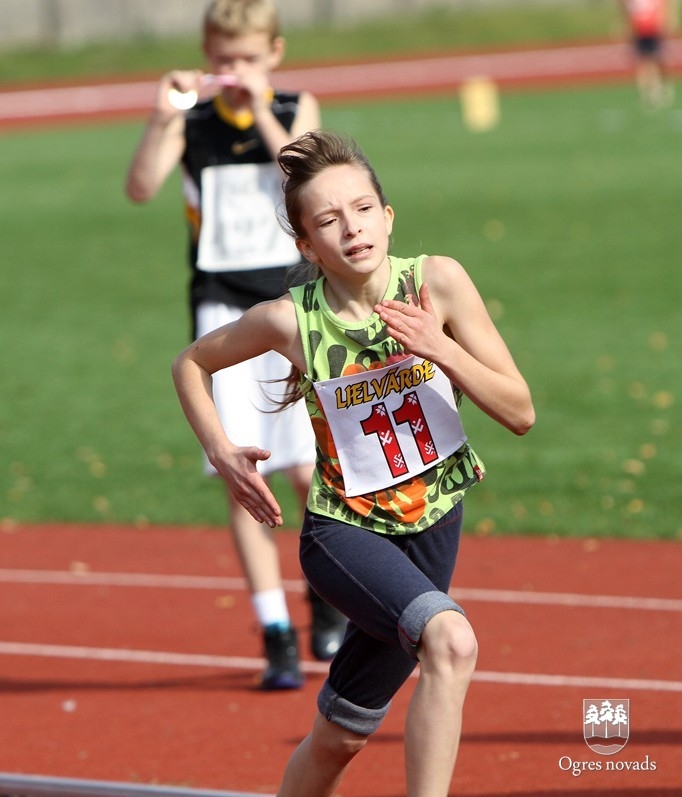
650	22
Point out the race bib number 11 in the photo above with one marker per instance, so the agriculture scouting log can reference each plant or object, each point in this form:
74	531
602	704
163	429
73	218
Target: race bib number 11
390	424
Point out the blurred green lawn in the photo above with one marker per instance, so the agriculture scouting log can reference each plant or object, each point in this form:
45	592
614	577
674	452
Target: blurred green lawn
566	215
439	29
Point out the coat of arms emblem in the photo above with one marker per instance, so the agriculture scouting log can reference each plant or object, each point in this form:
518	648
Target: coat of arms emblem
606	725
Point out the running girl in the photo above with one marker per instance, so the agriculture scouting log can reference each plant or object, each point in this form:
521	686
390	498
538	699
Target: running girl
384	512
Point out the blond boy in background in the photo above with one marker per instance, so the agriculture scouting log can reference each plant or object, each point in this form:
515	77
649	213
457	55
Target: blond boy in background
226	146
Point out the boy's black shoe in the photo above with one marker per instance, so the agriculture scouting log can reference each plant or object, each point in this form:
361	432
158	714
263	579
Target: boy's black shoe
328	628
281	651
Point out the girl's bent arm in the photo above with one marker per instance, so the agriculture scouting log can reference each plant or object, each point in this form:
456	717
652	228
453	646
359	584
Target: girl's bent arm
451	327
264	327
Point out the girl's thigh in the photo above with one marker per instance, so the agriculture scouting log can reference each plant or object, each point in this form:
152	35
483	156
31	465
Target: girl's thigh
381	583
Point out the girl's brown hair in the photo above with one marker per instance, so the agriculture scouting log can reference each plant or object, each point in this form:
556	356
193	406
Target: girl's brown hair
301	161
306	157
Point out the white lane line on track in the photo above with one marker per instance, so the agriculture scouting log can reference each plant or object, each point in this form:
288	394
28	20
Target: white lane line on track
257	664
159	581
41	786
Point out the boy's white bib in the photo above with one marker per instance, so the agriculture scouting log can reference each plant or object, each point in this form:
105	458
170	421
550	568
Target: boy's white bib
390	424
239	226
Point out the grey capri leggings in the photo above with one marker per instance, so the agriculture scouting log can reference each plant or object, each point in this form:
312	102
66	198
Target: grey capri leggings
389	587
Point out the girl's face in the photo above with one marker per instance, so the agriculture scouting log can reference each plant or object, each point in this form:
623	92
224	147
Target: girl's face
346	227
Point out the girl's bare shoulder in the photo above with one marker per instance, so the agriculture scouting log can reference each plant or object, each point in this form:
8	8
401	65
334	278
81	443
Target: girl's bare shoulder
444	274
274	323
276	317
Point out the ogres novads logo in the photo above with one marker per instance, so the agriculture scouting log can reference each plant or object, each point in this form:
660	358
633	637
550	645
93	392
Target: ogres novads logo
606	730
606	725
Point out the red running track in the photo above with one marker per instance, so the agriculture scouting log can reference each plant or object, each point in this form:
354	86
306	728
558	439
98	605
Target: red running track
414	76
131	655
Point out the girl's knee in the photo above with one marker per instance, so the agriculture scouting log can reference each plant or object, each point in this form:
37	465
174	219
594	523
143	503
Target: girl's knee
448	641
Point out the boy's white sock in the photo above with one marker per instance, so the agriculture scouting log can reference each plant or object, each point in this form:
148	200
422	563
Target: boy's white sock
270	606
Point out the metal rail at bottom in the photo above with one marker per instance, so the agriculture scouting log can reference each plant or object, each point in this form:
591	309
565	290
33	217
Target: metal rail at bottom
39	786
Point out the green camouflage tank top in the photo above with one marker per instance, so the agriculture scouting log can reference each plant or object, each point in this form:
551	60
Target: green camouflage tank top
334	348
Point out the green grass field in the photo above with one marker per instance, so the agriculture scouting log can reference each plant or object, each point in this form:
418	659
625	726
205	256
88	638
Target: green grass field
566	215
439	29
